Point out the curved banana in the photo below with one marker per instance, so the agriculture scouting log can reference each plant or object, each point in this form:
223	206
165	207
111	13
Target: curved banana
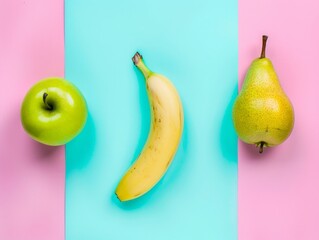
163	139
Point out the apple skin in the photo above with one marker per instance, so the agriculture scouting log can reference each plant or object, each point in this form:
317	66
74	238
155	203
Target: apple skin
63	122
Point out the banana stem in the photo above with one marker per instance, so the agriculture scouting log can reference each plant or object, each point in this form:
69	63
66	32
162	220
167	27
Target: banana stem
263	50
139	63
48	106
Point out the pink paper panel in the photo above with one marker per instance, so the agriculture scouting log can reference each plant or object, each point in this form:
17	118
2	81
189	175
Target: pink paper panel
278	190
32	176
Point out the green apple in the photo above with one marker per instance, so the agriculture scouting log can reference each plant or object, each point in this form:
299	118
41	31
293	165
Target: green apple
53	111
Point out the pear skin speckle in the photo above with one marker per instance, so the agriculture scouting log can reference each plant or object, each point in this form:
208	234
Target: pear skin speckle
262	112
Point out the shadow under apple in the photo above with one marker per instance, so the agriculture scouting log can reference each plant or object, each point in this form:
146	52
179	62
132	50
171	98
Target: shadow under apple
80	150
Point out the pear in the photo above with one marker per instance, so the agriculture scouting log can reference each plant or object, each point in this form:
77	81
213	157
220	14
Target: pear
262	113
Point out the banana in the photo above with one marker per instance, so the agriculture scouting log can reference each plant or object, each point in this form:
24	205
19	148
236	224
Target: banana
166	129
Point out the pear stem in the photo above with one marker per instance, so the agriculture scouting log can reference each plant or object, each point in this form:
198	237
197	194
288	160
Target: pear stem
139	63
48	106
263	50
261	147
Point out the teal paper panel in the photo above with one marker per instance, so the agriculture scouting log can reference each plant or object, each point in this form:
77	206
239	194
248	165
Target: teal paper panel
194	43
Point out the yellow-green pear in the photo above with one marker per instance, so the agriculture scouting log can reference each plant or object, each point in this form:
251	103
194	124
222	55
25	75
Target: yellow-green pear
262	113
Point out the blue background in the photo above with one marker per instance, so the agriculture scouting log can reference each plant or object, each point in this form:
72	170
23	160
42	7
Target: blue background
194	44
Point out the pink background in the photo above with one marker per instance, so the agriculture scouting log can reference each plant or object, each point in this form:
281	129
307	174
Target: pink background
278	190
31	175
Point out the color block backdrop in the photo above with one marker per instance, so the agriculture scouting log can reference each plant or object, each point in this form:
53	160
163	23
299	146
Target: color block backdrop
195	45
205	48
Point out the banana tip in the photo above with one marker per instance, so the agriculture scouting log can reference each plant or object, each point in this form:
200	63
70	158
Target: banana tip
118	197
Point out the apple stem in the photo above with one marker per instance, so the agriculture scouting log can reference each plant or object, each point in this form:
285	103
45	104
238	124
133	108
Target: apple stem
263	50
48	106
261	147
